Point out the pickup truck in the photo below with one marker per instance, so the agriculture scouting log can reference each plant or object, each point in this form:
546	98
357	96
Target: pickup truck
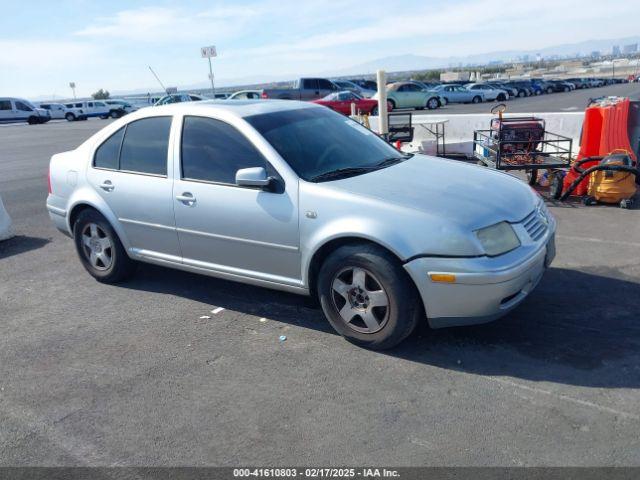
302	89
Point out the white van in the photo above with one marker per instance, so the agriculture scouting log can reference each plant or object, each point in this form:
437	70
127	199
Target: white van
21	110
56	110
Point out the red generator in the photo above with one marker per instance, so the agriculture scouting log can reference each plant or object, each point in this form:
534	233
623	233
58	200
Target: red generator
518	135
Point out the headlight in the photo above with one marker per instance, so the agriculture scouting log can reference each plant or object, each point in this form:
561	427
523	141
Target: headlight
498	239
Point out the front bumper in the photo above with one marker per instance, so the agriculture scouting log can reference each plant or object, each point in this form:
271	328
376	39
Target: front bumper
485	288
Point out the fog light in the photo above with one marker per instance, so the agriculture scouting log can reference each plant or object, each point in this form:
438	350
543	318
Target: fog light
442	277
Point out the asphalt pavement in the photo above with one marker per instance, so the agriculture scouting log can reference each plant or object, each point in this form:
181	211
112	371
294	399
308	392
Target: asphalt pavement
134	374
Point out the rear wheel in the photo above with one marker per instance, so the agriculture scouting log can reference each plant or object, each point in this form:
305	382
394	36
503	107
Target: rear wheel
476	99
100	250
70	117
501	97
368	297
522	93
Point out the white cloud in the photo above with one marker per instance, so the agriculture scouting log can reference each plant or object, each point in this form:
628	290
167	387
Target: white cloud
41	55
161	24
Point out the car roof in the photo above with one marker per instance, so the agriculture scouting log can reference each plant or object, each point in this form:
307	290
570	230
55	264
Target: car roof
238	108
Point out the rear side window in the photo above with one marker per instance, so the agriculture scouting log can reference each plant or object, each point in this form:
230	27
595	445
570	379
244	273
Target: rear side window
214	151
5	104
310	84
107	154
145	146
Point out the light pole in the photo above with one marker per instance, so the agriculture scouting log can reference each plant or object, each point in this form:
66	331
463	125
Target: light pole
73	88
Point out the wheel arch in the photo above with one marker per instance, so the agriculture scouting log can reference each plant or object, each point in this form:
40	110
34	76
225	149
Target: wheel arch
321	253
85	204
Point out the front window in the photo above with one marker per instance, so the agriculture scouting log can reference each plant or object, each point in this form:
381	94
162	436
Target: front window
22	106
319	142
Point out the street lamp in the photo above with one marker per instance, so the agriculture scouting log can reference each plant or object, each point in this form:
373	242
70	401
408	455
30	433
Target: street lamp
72	85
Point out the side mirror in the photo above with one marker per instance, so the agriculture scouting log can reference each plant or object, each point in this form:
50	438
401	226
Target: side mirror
253	177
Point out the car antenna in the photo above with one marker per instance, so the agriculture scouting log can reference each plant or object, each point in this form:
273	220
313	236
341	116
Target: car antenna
158	78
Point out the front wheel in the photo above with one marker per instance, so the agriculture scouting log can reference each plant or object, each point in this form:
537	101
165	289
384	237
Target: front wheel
476	99
115	114
368	297
100	250
433	103
501	98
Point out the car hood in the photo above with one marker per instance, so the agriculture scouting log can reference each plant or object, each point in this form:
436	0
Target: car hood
468	195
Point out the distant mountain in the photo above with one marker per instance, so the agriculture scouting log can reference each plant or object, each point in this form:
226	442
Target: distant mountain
418	62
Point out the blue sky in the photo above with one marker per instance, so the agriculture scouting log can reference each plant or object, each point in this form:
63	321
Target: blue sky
108	44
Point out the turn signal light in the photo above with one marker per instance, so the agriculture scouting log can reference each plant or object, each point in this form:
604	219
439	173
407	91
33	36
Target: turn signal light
442	277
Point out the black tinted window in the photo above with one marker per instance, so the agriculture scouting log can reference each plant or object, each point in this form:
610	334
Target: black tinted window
326	84
214	151
310	84
107	153
5	105
145	146
23	107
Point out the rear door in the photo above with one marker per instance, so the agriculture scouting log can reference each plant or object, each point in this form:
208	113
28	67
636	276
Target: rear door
130	171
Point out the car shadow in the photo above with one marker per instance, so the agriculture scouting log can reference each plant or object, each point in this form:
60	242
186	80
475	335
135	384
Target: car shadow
578	328
21	244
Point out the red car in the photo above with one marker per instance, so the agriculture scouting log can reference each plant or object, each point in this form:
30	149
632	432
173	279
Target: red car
341	102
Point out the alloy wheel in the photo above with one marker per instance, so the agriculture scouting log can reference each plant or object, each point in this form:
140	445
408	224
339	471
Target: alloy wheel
97	246
360	300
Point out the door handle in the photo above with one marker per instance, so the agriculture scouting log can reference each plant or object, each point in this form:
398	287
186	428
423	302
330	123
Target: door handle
107	186
187	198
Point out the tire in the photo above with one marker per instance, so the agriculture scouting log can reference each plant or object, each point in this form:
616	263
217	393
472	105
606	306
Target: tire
627	203
115	114
566	89
393	104
476	99
433	103
522	93
388	323
549	90
375	111
70	117
32	120
532	176
501	98
99	248
589	201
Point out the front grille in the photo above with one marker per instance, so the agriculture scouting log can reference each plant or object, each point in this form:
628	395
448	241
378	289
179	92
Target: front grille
535	225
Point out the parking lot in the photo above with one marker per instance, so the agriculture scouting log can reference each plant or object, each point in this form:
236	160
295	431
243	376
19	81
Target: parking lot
574	101
92	374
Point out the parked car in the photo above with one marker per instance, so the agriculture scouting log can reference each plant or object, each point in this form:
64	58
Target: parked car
560	86
21	110
314	203
524	89
92	108
410	95
366	84
6	229
490	93
303	89
119	108
357	89
580	83
246	95
454	93
341	102
56	110
178	98
511	90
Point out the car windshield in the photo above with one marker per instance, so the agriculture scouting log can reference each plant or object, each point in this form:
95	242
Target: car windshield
318	142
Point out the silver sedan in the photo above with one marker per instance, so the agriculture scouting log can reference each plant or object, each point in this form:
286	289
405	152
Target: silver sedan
296	197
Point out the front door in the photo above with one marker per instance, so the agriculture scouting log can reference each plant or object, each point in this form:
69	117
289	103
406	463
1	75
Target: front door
129	171
241	231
